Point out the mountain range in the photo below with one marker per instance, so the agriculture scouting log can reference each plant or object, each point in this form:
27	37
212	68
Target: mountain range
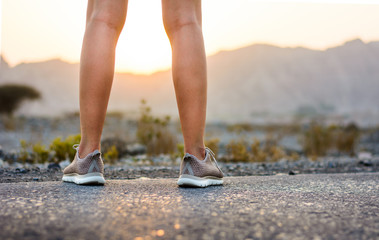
252	81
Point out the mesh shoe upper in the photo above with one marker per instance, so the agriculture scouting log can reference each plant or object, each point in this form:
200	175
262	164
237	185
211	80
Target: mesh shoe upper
91	163
201	168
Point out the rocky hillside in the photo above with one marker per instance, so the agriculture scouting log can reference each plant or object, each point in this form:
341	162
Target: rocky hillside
246	82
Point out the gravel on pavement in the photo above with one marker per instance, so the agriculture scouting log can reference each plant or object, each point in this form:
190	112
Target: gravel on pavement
309	206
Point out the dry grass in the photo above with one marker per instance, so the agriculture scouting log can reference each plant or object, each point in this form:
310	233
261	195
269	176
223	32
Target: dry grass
319	140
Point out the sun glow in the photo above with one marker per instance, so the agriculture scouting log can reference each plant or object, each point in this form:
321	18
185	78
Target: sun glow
143	45
45	29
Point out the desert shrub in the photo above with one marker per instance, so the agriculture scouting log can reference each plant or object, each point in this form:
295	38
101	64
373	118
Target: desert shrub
346	139
33	153
120	145
111	155
294	156
258	153
276	153
272	149
317	140
153	132
268	151
60	148
63	149
57	151
213	144
40	153
12	95
24	154
237	151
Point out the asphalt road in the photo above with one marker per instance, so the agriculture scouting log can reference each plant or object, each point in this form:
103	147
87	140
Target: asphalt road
322	206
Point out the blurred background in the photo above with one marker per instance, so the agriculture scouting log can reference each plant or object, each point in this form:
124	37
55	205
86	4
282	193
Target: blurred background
286	80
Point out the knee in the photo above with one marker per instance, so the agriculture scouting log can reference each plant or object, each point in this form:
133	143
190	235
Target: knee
113	19
173	22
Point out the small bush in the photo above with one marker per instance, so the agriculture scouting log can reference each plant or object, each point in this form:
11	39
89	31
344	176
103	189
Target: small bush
111	155
237	151
294	156
33	153
153	132
346	139
40	153
276	153
120	145
258	154
270	151
317	140
24	154
64	148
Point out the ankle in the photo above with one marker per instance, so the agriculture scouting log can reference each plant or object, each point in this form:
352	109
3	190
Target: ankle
85	149
198	152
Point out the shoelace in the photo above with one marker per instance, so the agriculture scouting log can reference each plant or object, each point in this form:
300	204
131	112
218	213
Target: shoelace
213	158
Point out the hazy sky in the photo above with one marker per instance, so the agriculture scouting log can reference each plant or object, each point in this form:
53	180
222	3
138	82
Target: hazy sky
35	30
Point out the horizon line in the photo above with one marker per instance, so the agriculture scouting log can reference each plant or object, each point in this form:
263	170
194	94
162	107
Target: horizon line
209	55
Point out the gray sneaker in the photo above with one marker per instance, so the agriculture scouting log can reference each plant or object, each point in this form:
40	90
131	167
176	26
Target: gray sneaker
200	173
88	170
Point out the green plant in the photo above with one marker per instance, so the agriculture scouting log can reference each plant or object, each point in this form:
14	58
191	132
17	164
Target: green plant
24	155
276	153
40	153
270	151
33	153
258	154
237	151
294	156
153	132
118	143
346	139
317	140
64	148
111	155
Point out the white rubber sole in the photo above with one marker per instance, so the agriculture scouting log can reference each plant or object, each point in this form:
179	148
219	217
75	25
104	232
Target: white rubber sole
89	178
193	181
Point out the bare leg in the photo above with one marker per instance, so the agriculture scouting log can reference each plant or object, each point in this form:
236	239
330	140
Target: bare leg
105	20
182	21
